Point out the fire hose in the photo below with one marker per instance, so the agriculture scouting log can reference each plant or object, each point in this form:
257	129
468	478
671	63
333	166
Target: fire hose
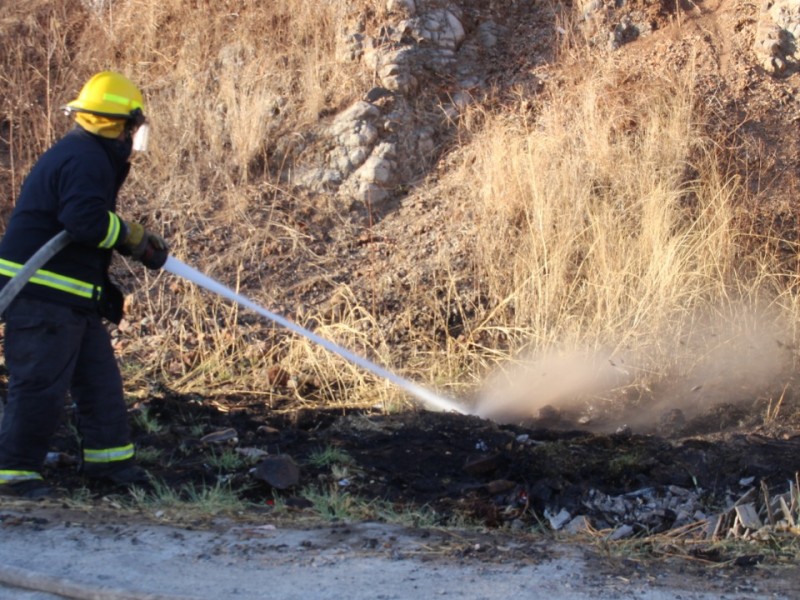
41	582
35	262
428	398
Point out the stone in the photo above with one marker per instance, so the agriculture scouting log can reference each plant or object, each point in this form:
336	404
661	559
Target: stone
620	533
220	437
404	7
776	30
280	471
362	134
579	524
352	48
394	70
252	452
359	111
379	167
498	486
558	520
383	141
747	515
372	195
378	93
487	34
483	464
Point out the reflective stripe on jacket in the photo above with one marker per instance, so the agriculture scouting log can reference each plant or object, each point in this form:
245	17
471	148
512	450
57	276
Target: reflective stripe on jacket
72	186
53	280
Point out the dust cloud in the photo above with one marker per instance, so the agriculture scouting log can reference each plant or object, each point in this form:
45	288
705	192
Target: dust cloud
736	359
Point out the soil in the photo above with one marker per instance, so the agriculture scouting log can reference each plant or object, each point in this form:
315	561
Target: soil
457	466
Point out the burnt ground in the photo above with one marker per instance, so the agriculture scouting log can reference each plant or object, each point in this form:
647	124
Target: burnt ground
466	492
448	469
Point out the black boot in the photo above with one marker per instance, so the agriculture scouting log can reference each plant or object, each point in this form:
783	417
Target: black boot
123	474
32	489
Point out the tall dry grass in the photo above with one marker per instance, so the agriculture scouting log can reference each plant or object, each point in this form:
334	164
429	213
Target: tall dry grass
222	83
612	253
615	209
37	41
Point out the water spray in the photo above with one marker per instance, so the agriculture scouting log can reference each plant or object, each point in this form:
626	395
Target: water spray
427	397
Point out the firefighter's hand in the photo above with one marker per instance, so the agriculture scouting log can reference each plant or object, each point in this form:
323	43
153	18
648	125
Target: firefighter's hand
143	245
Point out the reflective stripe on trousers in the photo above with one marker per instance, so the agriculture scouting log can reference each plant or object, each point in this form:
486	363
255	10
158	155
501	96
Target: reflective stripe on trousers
108	455
9	476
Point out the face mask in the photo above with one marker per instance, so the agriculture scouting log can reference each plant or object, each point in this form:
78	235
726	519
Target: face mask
141	138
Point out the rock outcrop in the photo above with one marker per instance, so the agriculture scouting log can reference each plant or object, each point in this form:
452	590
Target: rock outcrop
426	63
776	37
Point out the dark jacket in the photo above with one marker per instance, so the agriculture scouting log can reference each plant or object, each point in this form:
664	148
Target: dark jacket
72	186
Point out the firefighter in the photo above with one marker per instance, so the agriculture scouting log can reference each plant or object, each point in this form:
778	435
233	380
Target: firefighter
56	342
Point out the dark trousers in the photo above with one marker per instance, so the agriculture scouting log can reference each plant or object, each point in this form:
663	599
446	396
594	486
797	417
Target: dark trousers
50	350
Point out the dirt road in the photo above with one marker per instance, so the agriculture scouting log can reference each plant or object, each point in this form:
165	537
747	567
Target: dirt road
93	555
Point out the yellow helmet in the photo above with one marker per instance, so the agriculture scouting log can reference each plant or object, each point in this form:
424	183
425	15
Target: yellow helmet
108	94
107	103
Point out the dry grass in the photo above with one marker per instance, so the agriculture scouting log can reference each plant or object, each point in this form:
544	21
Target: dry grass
776	543
607	232
38	44
604	222
618	215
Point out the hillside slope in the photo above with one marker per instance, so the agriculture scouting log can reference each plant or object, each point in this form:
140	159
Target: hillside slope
334	174
420	246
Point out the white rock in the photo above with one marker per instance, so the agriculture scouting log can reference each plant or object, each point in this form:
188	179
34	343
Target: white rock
579	524
441	27
364	134
678	491
620	533
376	170
372	194
395	73
357	156
331	177
352	48
558	521
360	111
407	7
